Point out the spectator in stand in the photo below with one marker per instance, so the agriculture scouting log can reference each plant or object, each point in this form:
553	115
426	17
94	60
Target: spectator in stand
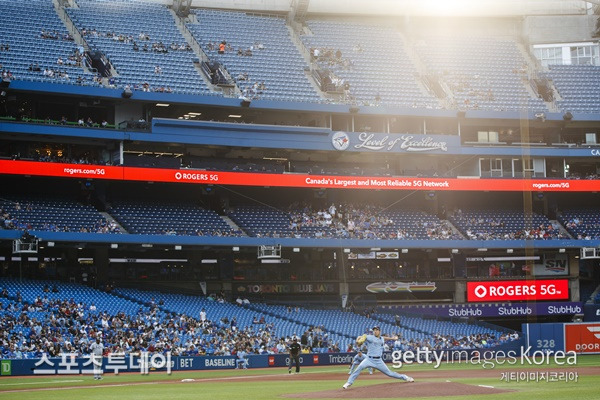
222	47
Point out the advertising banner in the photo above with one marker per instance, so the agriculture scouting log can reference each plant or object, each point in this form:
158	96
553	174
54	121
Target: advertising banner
382	142
372	255
397	287
494	310
582	338
522	290
35	168
591	312
308	287
553	265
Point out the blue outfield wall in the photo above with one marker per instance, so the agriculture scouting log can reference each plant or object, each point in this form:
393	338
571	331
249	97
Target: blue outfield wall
544	337
68	365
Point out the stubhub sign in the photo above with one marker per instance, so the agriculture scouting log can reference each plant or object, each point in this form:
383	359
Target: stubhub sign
495	310
555	289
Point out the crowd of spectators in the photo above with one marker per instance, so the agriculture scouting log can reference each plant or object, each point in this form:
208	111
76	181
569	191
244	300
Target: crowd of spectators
581	176
55	35
329	57
53	327
491	228
200	232
580	228
254	91
83	159
88	122
243	52
157	47
361	221
451	342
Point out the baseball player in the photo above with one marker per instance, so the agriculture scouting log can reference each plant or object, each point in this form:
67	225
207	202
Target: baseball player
374	345
358	358
295	349
97	348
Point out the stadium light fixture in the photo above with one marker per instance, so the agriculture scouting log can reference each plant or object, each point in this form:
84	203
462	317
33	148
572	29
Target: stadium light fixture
404	251
235	248
234	116
454	251
509	251
50	244
114	245
208	261
562	250
162	105
482	249
177	247
346	250
296	249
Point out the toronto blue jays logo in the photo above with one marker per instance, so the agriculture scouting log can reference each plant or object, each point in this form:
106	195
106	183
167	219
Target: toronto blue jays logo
340	141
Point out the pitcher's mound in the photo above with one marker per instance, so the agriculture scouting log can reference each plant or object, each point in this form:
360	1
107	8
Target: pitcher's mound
401	390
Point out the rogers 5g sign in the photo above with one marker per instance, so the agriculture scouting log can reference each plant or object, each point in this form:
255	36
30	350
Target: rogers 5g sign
554	289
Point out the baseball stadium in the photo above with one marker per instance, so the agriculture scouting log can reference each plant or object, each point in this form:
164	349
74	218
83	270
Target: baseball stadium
319	199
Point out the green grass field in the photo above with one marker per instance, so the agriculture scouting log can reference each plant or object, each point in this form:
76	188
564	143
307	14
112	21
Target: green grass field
266	384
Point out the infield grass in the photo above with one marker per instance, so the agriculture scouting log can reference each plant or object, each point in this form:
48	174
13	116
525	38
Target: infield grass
237	384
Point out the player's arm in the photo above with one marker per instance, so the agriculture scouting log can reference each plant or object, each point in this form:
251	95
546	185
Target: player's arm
390	337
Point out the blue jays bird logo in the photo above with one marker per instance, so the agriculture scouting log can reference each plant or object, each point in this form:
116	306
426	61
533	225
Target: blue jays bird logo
340	140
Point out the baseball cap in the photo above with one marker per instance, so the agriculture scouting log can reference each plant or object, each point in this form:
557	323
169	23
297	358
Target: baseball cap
376	327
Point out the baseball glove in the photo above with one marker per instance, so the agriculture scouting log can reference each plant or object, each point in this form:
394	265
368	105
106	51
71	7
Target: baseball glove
361	339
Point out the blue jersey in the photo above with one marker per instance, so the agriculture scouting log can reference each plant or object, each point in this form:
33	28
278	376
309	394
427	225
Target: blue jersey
358	358
374	346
